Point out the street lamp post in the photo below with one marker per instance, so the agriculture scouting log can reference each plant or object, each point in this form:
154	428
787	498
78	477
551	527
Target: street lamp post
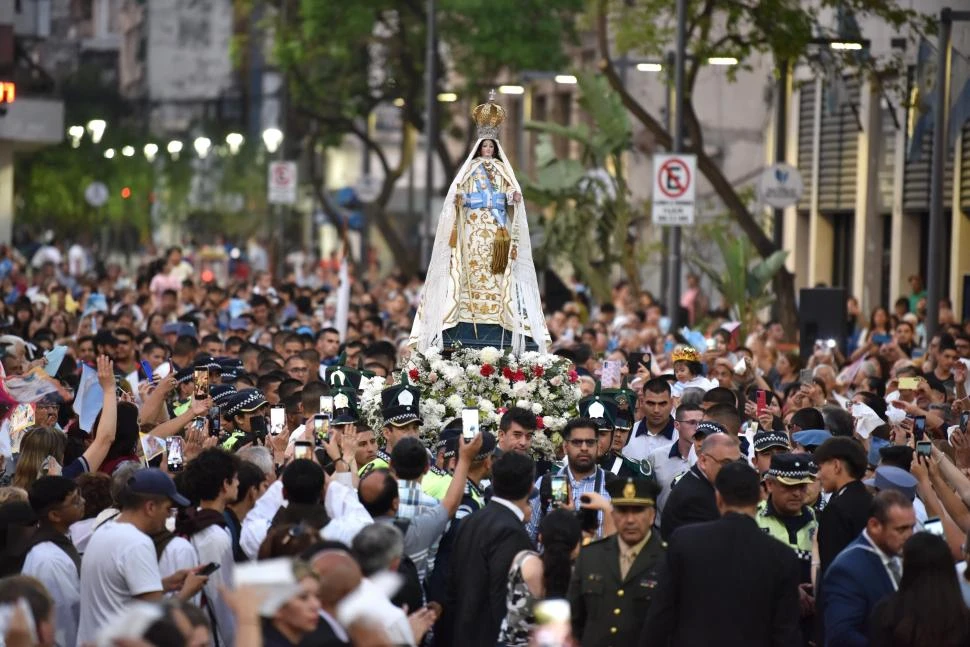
673	279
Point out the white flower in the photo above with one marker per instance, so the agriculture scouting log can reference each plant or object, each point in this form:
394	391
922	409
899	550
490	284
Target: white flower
489	355
536	408
520	389
454	402
523	404
556	381
473	370
486	406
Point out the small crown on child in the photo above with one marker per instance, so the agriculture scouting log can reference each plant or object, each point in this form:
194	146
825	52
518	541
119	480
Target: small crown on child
685	354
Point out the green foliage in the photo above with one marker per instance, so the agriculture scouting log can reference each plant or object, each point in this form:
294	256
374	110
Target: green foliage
782	29
586	202
744	277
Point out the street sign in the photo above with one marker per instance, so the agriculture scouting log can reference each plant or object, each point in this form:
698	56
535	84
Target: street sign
780	186
96	194
674	184
281	188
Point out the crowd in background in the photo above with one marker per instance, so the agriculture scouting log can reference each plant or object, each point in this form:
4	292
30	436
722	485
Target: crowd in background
858	451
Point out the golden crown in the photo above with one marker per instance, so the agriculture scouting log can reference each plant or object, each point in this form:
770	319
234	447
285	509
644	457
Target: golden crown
488	117
685	354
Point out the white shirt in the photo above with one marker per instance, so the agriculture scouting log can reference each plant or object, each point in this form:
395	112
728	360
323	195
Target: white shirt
668	464
118	565
256	523
393	620
886	559
642	442
214	544
57	572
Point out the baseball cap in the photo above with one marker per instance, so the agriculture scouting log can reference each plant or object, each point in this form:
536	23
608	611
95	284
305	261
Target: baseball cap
154	482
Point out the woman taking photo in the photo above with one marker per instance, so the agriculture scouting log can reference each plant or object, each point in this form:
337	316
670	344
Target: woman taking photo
534	577
42	448
928	609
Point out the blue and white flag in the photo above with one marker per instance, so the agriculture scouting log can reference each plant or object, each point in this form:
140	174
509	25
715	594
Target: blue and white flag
959	95
90	397
922	100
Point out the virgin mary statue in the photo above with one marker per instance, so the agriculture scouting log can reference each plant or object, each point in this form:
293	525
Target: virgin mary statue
481	288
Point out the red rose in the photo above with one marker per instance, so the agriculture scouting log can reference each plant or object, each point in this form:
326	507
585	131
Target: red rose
502	410
538	371
519	376
573	377
507	373
540	424
487	370
413	374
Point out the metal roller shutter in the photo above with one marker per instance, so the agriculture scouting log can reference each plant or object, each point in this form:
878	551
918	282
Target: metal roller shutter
839	152
806	135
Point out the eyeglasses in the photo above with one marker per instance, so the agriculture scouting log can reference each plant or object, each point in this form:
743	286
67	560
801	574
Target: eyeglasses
579	442
724	461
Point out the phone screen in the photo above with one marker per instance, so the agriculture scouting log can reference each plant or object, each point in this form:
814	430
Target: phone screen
964	420
908	383
321	427
919	427
198	424
326	405
277	420
560	492
805	376
147	370
303	450
924	448
176	457
469	423
201	378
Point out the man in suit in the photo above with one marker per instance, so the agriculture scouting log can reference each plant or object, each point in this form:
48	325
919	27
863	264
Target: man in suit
615	578
726	582
692	499
339	576
486	544
842	463
867	570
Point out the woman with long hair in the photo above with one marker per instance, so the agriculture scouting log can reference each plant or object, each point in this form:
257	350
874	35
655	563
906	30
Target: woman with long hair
534	577
787	367
927	610
878	332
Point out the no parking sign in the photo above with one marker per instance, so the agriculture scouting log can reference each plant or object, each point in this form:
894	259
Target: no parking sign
673	189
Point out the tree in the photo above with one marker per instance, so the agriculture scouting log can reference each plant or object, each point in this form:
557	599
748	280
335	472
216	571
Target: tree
744	279
744	29
582	200
343	60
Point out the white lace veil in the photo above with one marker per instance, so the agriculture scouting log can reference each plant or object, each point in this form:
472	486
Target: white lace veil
436	294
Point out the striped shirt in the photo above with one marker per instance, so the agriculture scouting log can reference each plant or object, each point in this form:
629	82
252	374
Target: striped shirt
413	502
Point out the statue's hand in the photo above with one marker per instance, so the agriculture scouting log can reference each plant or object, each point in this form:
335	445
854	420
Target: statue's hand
516	197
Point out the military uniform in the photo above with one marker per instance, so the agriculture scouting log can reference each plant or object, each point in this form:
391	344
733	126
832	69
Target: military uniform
608	606
400	406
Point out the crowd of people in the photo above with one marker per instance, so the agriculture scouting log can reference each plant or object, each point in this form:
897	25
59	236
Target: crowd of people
185	462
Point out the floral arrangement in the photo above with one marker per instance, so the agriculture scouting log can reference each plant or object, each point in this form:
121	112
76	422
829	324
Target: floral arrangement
492	381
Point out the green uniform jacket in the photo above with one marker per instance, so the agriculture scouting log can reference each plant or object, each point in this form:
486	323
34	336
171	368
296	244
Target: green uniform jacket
605	610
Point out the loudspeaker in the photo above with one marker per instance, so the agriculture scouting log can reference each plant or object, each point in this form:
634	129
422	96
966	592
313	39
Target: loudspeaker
822	314
966	298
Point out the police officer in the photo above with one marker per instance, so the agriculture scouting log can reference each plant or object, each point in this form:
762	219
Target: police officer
602	409
615	579
246	411
400	408
784	516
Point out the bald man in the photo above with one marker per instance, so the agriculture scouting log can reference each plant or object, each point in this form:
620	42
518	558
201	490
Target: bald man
339	575
692	498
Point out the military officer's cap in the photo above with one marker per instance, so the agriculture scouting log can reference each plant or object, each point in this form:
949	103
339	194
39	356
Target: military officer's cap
765	440
637	493
792	469
601	409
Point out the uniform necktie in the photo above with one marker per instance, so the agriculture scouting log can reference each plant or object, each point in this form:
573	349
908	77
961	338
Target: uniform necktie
895	571
626	562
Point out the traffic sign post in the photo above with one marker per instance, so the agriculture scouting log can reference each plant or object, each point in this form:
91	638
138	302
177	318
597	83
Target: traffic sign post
673	189
281	187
